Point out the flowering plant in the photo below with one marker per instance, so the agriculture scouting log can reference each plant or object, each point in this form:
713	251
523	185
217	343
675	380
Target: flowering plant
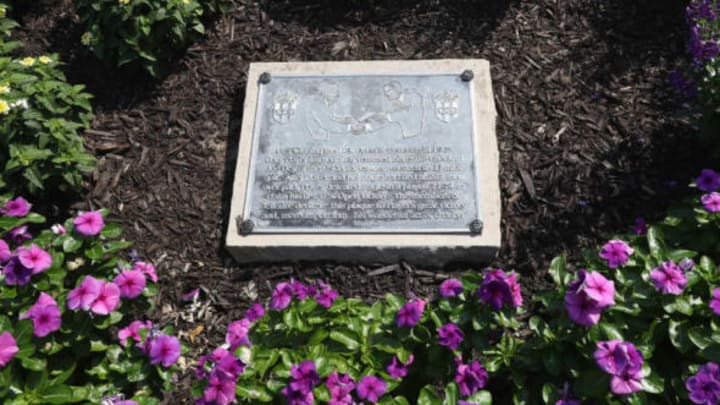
637	322
41	117
64	294
310	344
700	80
141	34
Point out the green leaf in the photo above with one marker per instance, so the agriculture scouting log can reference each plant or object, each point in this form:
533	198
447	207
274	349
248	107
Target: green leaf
700	337
653	384
558	271
345	337
57	394
111	231
428	396
678	331
452	394
481	398
655	243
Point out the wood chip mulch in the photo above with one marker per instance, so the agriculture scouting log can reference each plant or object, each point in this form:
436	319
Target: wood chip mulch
590	136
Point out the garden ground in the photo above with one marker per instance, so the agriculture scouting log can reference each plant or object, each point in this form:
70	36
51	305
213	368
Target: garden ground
589	136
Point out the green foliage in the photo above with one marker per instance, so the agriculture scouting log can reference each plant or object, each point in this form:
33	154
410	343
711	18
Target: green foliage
674	333
83	361
41	149
143	34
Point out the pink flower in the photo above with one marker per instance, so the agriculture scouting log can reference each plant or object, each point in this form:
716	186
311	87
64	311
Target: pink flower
107	300
237	333
34	258
450	335
626	384
255	312
669	278
58	229
599	289
18	207
326	296
19	234
715	301
148	269
132	331
451	287
5	253
8	348
131	283
616	252
711	202
89	223
499	289
470	377
371	388
164	350
281	296
397	369
219	391
45	315
85	294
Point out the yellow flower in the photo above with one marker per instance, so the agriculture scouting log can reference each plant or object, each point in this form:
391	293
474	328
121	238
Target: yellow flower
4	89
86	38
4	107
44	60
27	61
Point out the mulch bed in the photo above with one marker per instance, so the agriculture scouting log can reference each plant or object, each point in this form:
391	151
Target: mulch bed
589	136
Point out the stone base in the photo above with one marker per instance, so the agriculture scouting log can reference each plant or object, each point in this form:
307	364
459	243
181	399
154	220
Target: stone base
426	249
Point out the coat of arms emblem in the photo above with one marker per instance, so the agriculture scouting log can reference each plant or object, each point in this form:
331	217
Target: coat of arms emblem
284	107
447	106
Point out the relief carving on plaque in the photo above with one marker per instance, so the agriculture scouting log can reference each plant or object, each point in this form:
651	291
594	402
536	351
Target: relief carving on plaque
284	107
447	106
392	109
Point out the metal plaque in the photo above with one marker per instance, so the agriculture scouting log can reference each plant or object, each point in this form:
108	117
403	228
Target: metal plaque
371	153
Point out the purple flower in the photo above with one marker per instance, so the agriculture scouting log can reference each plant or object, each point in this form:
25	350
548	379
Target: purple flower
34	258
45	315
616	252
450	336
704	386
85	294
219	391
686	264
18	207
451	287
15	273
699	10
709	180
340	388
587	296
304	376
669	278
281	296
371	388
300	290
164	350
711	202
409	315
625	383
230	366
470	377
297	397
499	289
568	402
640	226
715	301
326	296
616	357
5	253
237	334
255	312
89	223
683	86
398	369
131	283
20	234
8	348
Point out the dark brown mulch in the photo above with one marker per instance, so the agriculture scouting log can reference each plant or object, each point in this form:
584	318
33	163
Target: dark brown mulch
589	136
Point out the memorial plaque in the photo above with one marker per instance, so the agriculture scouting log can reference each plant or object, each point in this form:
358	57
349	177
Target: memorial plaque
333	154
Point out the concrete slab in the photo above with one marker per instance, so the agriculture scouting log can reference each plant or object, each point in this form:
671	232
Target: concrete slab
367	162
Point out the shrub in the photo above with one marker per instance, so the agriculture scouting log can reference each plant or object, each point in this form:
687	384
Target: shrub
142	34
311	344
637	319
41	149
64	293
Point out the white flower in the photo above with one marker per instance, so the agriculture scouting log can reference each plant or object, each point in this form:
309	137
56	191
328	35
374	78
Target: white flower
23	103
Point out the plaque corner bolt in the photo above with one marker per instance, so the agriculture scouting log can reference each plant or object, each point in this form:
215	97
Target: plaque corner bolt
476	227
467	75
265	78
245	227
